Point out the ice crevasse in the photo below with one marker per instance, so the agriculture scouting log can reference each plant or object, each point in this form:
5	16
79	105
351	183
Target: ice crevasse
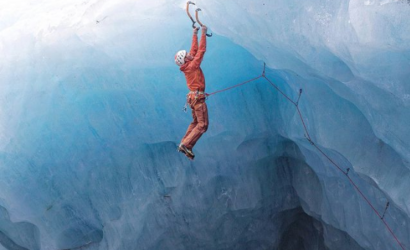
91	113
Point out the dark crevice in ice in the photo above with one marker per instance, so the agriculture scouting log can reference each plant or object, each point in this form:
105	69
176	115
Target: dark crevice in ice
303	232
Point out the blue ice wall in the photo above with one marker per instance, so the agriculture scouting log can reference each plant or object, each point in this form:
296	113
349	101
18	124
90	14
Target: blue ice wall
91	113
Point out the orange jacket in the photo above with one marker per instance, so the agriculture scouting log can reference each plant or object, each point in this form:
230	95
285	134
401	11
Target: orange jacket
193	73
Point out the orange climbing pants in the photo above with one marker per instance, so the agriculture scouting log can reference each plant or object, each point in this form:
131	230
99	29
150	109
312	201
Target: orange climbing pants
199	125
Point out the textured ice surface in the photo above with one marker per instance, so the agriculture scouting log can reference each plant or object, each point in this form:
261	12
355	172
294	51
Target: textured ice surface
91	115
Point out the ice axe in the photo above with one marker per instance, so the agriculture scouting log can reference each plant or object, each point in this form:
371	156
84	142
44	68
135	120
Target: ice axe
199	22
189	14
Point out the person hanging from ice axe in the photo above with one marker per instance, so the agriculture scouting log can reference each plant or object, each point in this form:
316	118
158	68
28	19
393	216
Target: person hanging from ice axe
190	63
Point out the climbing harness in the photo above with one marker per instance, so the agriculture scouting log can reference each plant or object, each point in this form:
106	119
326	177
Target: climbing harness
196	16
196	95
345	173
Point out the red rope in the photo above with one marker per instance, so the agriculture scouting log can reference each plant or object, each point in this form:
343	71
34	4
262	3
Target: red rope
321	151
234	86
276	87
303	123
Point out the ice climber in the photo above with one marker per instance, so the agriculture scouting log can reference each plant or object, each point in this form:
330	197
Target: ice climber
190	63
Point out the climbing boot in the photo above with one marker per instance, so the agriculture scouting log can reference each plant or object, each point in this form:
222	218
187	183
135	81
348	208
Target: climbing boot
183	149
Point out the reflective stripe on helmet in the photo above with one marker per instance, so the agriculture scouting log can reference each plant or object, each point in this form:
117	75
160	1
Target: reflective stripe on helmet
180	57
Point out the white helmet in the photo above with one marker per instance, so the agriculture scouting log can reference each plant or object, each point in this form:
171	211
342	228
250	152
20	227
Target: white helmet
180	57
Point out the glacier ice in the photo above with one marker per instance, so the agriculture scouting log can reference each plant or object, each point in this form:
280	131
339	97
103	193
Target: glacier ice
91	114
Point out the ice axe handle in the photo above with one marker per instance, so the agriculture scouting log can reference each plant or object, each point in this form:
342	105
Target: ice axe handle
189	14
197	19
